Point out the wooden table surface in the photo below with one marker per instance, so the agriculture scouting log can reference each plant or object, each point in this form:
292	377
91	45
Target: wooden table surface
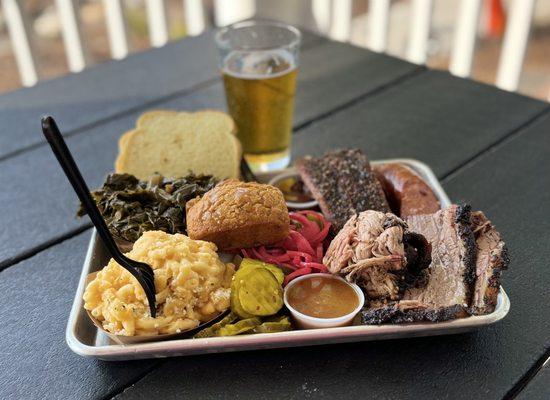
488	147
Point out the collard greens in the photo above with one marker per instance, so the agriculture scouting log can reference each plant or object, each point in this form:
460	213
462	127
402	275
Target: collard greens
131	207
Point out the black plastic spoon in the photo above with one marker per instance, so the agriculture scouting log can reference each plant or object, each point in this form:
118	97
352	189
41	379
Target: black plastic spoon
142	272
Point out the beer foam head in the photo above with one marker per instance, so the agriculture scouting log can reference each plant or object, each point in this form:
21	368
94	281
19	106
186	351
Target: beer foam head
258	64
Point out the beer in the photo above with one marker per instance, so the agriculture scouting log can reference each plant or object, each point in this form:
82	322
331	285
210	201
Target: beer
260	90
259	63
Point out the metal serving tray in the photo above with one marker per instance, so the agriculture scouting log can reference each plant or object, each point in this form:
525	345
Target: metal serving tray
85	339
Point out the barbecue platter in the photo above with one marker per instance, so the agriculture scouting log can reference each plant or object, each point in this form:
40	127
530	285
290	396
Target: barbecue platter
332	243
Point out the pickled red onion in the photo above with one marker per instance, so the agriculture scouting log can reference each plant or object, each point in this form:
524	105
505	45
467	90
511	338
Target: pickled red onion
302	251
296	274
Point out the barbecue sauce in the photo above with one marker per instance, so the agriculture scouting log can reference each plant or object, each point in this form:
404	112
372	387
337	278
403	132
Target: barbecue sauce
293	190
323	297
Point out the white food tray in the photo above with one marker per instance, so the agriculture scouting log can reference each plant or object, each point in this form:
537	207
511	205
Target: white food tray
86	340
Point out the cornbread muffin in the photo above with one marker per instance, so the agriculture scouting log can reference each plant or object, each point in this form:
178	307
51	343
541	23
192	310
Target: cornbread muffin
192	285
236	215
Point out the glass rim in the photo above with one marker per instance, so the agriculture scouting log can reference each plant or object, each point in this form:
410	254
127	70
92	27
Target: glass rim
257	22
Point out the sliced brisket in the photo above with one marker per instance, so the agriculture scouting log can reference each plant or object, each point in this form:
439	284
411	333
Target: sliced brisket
408	311
343	184
451	273
492	259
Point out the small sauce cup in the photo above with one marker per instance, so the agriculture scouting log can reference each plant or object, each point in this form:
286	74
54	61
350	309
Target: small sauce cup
281	181
304	321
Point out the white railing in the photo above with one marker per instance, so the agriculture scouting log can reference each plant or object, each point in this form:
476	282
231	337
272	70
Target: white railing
333	17
340	28
462	55
72	34
379	20
195	19
22	41
419	32
515	43
116	28
156	19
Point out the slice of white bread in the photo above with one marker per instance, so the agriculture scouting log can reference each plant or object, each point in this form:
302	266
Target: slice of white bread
123	139
143	122
174	144
148	117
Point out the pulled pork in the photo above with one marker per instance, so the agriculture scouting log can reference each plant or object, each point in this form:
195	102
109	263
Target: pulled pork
376	251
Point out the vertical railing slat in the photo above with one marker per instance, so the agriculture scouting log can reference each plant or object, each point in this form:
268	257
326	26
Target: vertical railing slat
340	27
227	12
72	34
465	38
21	41
321	10
419	31
194	17
379	18
116	28
515	44
156	18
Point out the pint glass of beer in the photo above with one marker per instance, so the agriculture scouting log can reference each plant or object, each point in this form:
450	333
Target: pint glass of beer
259	63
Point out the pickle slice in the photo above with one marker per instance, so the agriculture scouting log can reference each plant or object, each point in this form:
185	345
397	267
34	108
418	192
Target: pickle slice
260	293
205	333
212	330
237	328
236	306
259	280
278	272
276	318
280	325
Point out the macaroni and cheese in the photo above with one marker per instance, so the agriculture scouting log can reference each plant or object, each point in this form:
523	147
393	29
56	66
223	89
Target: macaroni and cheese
192	286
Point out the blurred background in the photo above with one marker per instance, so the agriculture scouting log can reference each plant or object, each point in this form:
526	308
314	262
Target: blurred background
43	39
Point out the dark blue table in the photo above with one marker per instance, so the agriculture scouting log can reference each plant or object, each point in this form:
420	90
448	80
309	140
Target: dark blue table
490	148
